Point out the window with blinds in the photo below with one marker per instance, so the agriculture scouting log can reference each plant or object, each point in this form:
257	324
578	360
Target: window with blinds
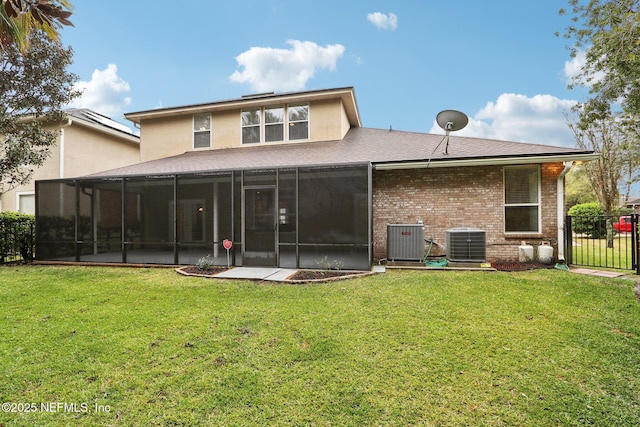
522	199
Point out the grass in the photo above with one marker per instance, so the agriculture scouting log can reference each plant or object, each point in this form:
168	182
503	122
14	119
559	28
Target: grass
595	252
150	347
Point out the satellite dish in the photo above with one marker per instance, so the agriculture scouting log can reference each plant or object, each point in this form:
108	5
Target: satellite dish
451	121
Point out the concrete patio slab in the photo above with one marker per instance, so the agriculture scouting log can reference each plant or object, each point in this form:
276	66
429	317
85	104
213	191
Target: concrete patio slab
257	273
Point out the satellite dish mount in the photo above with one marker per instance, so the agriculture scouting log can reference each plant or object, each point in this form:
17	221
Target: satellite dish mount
451	121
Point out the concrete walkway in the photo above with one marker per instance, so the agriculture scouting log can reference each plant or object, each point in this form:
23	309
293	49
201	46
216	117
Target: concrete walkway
257	273
600	273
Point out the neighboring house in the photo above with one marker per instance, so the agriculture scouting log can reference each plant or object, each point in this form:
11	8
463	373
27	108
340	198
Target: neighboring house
294	180
633	203
87	142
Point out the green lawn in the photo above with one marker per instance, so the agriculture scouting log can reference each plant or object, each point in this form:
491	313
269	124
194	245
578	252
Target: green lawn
150	347
597	253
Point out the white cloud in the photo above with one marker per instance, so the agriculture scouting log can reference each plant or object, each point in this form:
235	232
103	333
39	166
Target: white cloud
514	117
383	21
104	93
573	67
271	69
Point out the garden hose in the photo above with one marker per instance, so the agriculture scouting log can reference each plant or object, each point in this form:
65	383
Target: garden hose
433	263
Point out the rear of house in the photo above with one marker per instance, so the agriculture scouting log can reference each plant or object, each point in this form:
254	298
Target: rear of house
294	180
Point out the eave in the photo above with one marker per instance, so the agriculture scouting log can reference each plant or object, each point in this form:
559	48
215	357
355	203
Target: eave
489	161
346	95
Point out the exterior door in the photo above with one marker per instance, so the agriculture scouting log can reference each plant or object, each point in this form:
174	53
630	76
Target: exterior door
260	224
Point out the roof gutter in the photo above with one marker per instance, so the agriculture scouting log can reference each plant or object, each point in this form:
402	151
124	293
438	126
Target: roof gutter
488	161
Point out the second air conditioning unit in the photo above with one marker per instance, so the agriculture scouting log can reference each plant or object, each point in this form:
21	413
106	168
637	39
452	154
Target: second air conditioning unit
466	244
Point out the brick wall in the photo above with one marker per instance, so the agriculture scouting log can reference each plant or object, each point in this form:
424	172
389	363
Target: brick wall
445	198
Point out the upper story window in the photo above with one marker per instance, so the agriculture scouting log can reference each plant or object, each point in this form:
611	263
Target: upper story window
522	199
298	122
251	126
273	124
202	130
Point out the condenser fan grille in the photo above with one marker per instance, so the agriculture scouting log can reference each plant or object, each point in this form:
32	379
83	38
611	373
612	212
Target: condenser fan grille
466	244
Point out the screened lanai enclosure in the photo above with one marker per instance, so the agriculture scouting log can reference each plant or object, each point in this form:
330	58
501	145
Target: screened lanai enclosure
304	217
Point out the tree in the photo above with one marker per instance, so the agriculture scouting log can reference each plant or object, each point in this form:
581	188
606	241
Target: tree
608	31
34	87
606	137
578	187
631	163
19	17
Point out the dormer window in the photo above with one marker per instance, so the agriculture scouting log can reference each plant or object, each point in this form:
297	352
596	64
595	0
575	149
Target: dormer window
275	124
202	130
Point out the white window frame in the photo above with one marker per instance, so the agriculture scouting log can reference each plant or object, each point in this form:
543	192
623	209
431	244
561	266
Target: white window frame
537	203
197	131
263	124
291	123
280	123
18	198
252	125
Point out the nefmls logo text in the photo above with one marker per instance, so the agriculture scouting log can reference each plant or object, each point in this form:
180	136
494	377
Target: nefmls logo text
64	407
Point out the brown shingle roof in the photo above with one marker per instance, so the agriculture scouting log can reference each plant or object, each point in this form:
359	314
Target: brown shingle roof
360	145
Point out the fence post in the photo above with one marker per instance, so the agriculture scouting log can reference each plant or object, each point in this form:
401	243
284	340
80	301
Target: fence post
634	243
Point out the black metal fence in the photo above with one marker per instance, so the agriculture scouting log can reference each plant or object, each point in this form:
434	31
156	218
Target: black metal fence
17	239
602	241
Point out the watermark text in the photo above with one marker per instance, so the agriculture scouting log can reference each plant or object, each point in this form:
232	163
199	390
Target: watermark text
53	407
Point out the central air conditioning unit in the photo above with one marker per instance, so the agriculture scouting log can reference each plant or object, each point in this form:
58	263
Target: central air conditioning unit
405	242
466	244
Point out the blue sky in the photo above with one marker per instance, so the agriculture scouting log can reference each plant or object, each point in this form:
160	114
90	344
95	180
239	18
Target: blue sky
498	61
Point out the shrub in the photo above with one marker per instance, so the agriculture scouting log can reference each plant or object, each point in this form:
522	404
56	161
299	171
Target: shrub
588	218
624	212
325	264
205	263
16	236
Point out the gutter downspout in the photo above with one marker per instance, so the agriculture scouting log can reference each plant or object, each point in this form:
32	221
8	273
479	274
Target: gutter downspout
61	162
560	211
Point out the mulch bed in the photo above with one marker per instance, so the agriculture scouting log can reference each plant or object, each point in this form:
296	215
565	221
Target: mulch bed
195	271
303	275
